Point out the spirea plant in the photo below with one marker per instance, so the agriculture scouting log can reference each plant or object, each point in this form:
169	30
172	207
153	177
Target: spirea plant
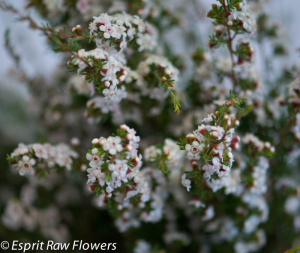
152	133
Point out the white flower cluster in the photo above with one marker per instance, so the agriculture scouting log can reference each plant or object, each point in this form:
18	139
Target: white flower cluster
221	156
161	62
104	104
158	195
253	200
80	85
248	71
22	214
170	148
232	184
292	202
252	246
115	163
164	67
110	33
251	139
258	187
149	209
259	176
156	184
224	64
253	197
88	8
242	15
29	158
122	28
111	70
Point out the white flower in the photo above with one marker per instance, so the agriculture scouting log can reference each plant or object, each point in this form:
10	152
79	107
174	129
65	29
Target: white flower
151	152
194	150
209	213
208	119
113	145
145	42
224	64
186	182
209	170
25	165
95	175
251	224
292	205
40	151
175	155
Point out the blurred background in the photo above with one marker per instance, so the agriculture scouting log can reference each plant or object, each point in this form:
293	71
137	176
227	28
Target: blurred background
22	122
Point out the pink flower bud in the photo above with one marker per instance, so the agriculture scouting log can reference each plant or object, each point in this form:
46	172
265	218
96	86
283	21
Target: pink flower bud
92	187
135	161
236	139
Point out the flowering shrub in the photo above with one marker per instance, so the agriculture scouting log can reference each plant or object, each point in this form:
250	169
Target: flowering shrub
206	146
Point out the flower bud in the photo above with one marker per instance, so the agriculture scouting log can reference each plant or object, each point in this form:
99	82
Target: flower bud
194	163
235	139
214	7
78	28
208	14
95	141
135	161
75	141
83	167
214	151
102	141
214	134
168	72
92	187
128	148
190	138
202	131
235	145
128	136
122	78
227	13
164	79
